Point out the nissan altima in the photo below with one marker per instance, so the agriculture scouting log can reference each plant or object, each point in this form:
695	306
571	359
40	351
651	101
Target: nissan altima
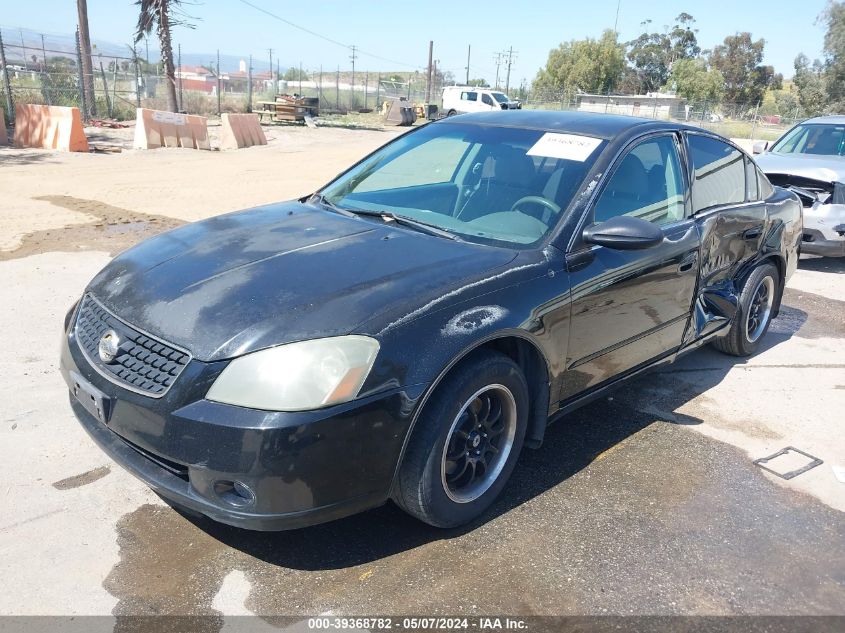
404	332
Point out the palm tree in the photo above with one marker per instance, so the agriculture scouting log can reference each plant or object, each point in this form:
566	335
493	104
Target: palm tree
158	13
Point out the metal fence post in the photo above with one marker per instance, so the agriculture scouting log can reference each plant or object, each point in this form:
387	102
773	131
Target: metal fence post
8	86
249	86
754	122
180	77
106	89
378	89
137	78
219	108
80	78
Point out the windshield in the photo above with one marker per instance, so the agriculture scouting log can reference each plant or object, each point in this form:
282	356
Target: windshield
493	185
500	97
822	139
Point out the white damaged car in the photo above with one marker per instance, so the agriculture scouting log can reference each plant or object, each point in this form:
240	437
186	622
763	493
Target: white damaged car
810	160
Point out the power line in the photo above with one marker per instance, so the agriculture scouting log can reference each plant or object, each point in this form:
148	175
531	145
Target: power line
324	37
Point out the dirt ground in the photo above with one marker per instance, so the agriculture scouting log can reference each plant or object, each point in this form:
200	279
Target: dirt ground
646	502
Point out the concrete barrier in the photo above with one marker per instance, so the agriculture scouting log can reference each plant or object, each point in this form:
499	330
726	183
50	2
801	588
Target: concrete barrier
241	130
4	139
49	127
156	128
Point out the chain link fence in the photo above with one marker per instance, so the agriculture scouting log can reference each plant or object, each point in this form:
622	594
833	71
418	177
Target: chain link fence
47	69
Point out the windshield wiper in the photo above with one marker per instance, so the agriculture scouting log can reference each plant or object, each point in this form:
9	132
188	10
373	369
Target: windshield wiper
425	227
323	200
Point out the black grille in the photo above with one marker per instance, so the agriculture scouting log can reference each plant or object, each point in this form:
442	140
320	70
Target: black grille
142	363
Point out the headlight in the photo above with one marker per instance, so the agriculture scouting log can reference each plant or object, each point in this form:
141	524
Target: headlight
297	376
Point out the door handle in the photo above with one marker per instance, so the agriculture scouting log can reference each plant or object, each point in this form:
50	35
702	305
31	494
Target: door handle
753	233
687	262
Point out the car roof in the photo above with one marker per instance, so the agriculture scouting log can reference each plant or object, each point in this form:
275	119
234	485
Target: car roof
831	118
605	126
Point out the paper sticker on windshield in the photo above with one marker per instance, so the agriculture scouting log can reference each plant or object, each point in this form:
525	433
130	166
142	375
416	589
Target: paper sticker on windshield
566	146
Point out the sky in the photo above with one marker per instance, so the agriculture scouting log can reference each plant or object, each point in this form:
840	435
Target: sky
400	31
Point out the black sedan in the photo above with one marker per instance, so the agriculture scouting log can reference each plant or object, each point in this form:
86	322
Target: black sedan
404	332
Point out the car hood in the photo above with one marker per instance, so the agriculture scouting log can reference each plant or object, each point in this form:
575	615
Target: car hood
823	168
281	273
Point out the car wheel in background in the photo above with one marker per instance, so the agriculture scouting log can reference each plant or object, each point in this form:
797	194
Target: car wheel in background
756	305
466	442
451	113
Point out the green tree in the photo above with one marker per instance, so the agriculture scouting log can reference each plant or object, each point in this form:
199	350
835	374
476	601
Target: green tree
834	53
739	60
809	81
587	65
292	74
480	83
695	82
653	54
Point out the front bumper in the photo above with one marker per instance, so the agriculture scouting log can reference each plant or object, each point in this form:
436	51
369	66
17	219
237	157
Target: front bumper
303	467
824	230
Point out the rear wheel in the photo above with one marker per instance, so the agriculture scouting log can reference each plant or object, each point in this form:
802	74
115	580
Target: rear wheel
451	113
465	443
756	305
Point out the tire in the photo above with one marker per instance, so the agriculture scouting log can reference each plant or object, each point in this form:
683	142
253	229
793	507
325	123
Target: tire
753	317
451	113
437	480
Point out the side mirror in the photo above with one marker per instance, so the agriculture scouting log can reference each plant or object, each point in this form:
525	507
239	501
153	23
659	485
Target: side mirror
624	232
760	147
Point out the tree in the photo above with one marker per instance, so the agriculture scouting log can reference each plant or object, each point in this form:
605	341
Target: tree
739	60
834	53
695	82
586	65
292	74
159	14
480	83
809	81
87	65
652	54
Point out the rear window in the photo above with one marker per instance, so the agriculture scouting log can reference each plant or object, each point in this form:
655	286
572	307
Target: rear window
469	96
718	173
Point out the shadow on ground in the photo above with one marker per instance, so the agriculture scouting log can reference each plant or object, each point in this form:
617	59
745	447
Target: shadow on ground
823	264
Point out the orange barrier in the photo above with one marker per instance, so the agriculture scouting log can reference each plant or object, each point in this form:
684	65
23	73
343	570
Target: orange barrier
49	127
155	128
4	140
241	130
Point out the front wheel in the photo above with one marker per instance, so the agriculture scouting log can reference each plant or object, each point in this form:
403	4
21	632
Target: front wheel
465	443
754	313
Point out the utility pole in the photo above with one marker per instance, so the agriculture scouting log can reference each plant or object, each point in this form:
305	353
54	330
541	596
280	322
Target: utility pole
86	70
337	89
428	80
497	59
271	64
469	48
616	21
219	109
510	62
353	57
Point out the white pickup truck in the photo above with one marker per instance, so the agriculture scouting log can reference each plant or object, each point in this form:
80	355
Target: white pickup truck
461	99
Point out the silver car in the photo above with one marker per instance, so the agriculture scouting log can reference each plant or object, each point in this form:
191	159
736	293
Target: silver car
810	160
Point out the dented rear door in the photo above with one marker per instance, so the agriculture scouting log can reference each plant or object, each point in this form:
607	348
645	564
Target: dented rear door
732	224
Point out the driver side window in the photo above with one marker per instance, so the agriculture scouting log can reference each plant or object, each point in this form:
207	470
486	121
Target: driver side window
647	184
